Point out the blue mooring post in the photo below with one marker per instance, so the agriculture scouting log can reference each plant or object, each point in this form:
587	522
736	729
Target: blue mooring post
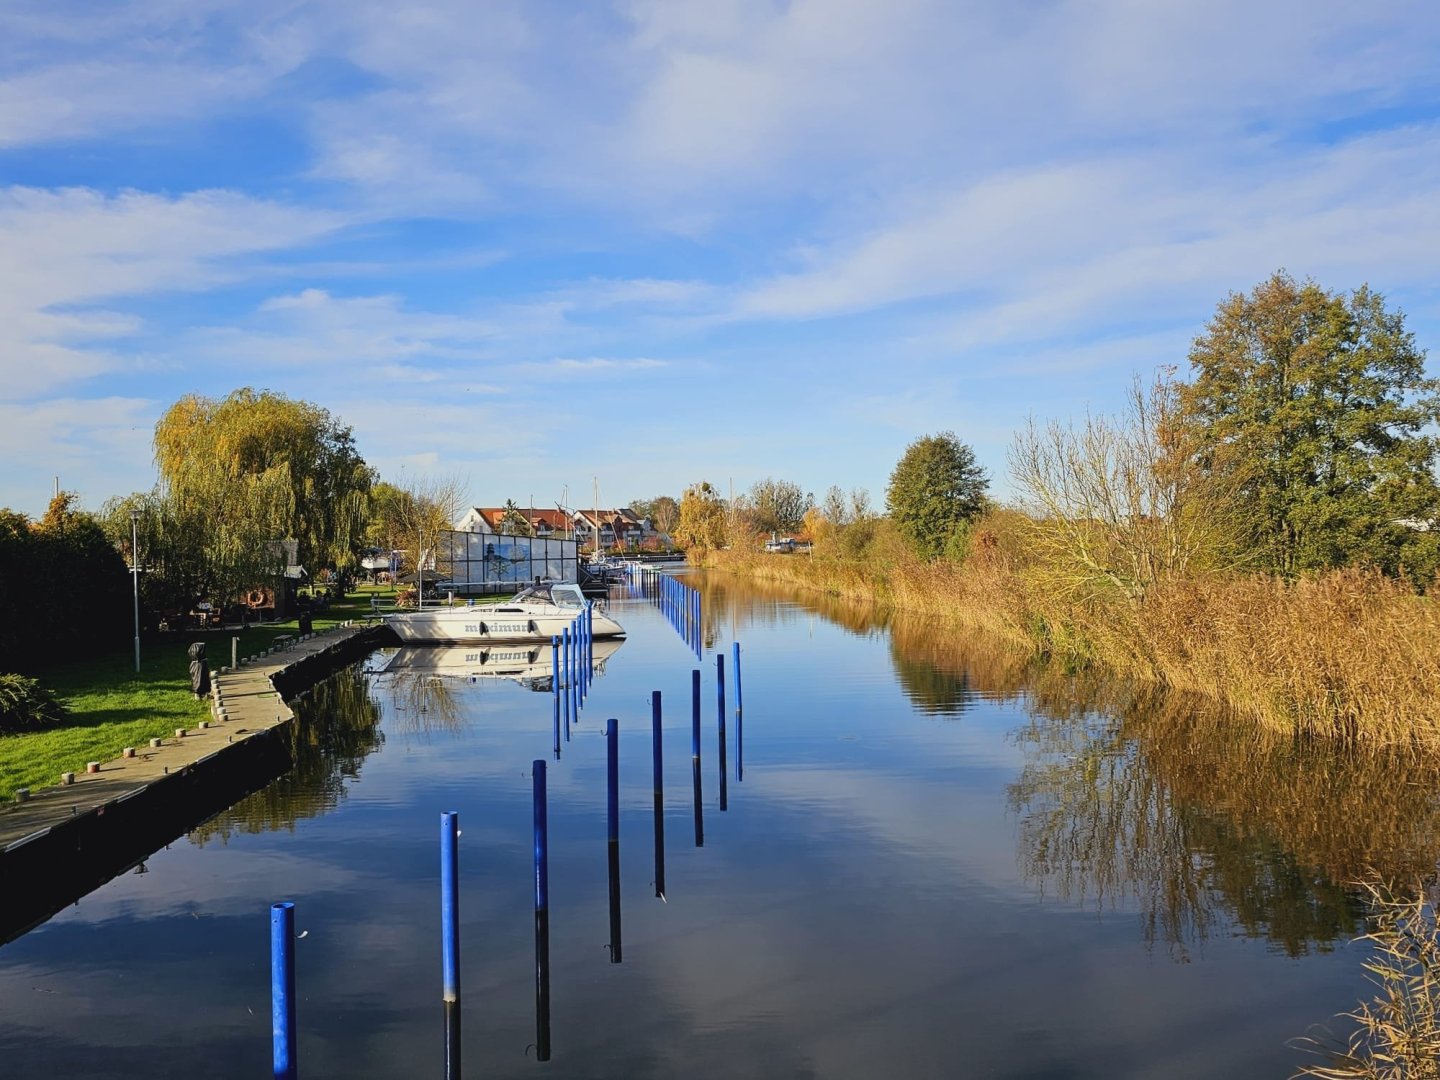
575	671
564	674
282	988
612	824
542	914
449	905
695	755
450	938
658	768
739	716
555	686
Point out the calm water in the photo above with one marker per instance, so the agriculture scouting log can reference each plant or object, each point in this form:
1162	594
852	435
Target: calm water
939	863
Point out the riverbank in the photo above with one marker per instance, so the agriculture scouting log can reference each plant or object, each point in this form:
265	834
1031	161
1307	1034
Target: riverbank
1346	655
73	835
111	706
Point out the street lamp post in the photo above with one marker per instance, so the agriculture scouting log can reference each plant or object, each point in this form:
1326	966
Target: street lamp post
135	578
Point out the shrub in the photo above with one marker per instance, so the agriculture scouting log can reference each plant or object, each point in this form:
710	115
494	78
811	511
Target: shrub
25	705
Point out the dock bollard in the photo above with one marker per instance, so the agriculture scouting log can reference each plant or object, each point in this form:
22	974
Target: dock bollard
22	794
92	766
67	778
282	988
155	744
128	752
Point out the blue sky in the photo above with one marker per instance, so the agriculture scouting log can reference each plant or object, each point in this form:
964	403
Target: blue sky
651	242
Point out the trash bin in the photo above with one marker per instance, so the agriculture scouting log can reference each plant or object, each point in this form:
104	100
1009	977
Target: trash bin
199	670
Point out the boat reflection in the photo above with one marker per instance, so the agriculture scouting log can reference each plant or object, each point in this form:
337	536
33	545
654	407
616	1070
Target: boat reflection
530	665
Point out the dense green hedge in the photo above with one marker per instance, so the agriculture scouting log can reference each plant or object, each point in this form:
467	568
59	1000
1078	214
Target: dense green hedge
64	589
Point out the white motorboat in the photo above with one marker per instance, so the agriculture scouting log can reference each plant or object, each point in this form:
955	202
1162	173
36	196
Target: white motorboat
536	613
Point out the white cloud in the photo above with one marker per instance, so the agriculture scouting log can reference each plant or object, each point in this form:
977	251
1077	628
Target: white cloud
64	251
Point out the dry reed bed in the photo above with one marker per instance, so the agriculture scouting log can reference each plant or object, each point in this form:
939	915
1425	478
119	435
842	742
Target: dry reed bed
1348	654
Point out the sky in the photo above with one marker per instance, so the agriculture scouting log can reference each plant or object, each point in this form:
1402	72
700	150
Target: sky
540	246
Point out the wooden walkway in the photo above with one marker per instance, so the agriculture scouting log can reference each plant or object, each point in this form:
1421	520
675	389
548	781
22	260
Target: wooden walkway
245	703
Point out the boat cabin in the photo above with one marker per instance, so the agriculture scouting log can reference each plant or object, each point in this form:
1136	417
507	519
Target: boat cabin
563	594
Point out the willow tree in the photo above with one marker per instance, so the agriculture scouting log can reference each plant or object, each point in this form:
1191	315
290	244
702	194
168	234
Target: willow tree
702	518
254	468
410	516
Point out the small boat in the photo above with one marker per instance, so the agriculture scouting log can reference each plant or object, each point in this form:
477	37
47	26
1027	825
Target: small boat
536	613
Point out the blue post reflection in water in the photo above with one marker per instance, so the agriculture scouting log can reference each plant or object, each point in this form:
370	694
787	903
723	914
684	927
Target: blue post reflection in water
695	755
282	988
659	775
542	912
450	938
720	716
612	823
739	717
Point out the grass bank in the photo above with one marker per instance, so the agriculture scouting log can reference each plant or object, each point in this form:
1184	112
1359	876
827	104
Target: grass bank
1347	654
112	707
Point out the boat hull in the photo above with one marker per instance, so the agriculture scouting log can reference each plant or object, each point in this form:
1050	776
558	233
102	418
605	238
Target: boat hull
471	625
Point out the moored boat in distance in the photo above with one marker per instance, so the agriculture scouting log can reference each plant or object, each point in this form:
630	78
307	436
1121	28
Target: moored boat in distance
536	613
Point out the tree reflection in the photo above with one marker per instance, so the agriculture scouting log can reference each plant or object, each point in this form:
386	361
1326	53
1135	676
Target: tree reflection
336	727
1135	795
1199	819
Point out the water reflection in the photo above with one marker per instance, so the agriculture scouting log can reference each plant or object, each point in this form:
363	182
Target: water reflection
530	665
337	726
1161	801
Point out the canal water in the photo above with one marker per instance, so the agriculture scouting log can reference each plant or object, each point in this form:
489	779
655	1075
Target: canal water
941	861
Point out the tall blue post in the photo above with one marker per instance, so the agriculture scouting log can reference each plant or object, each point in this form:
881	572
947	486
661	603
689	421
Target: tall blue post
449	906
542	914
563	675
658	769
575	670
450	938
612	822
282	988
555	686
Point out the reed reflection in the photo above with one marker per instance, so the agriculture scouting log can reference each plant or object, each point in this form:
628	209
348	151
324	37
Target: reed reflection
1158	799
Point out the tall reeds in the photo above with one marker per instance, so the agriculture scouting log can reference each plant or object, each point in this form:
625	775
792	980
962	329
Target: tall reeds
1349	654
1396	1034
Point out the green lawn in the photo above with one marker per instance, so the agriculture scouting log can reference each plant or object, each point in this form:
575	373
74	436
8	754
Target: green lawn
111	707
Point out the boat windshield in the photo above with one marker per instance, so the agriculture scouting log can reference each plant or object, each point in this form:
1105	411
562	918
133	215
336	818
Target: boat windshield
561	594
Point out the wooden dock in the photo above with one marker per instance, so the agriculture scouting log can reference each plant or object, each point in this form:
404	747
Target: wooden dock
245	703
